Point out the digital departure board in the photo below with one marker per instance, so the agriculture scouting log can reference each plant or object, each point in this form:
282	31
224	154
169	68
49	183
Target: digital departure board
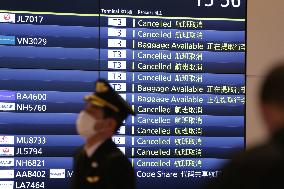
180	64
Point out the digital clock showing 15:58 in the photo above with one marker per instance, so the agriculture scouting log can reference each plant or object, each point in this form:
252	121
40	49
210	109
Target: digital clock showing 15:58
222	3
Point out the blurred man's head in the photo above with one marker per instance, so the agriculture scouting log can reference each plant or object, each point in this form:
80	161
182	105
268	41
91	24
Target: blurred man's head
272	99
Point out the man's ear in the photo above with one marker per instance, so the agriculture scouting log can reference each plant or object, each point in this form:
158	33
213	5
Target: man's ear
112	124
273	115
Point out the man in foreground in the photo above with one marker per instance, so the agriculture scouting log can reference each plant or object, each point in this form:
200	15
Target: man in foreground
261	167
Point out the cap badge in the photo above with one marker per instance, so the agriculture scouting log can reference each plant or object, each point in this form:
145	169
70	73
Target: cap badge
101	87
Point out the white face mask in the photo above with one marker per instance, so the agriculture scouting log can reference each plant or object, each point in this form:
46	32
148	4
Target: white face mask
85	125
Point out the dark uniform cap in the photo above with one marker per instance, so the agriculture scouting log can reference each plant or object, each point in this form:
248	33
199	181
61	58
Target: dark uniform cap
106	97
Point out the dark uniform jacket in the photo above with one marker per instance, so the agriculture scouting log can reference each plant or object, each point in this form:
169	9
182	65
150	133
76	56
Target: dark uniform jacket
108	168
259	168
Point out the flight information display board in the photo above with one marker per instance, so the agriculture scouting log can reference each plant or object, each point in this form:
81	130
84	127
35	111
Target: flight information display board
180	64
